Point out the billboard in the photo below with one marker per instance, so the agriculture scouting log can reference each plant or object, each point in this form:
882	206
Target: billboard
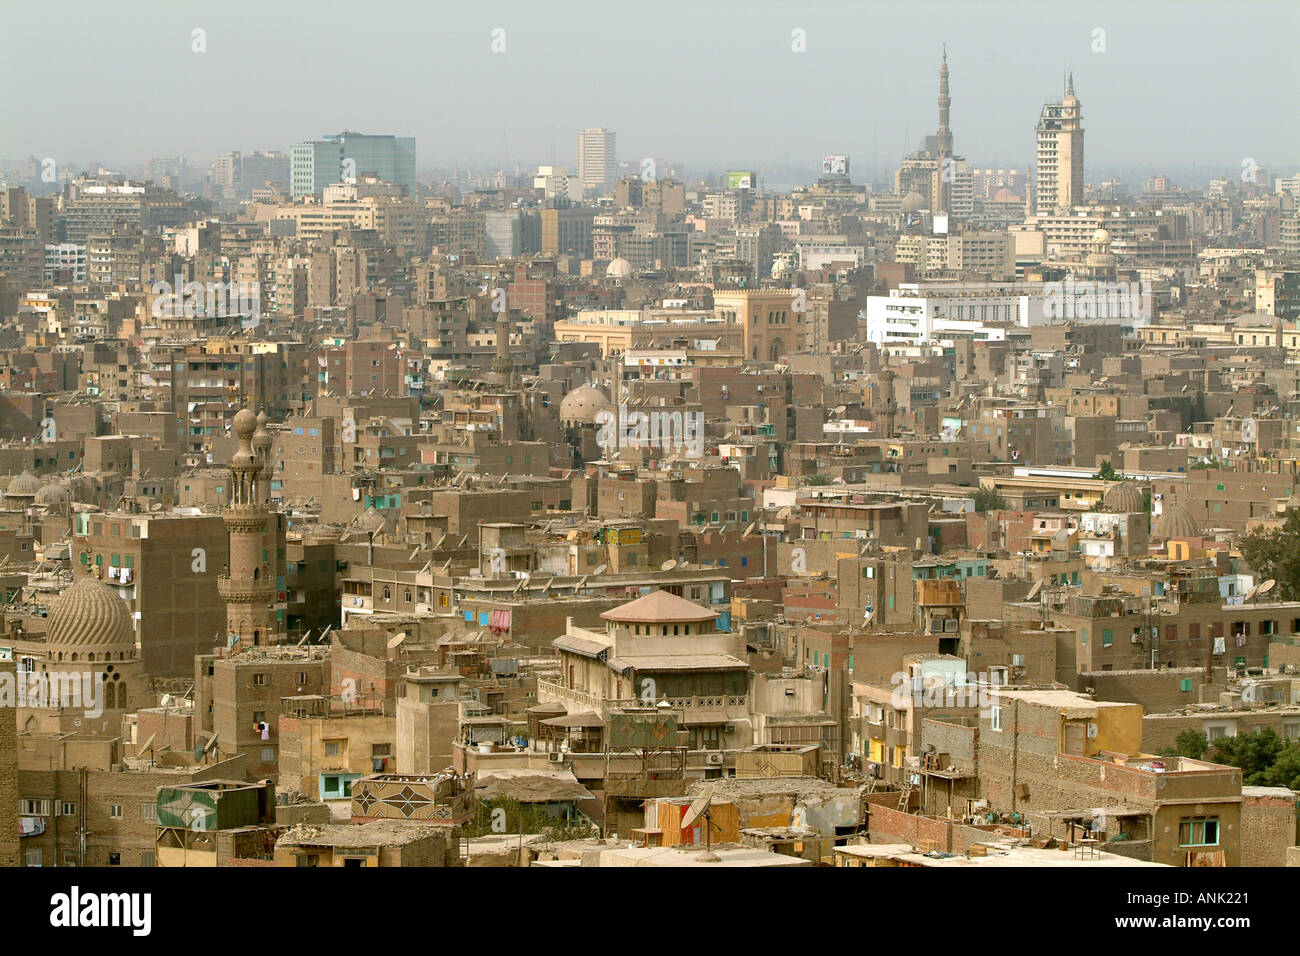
836	164
742	179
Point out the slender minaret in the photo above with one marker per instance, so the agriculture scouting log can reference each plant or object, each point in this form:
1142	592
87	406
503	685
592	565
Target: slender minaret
945	132
503	368
248	586
943	141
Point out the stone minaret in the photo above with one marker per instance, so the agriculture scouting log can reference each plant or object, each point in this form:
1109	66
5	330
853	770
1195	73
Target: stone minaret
889	407
944	139
503	367
248	588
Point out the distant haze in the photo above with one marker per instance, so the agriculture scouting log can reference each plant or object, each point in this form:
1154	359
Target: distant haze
705	83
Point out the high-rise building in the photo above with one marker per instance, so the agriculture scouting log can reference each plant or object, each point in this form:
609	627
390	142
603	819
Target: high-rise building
597	159
316	164
1059	174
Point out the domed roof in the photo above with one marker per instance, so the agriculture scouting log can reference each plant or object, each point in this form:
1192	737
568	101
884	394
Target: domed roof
91	614
659	607
244	424
1175	521
619	268
582	404
912	202
52	494
1005	195
1124	498
23	486
1101	235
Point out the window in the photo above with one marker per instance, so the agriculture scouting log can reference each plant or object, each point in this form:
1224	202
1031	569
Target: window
1107	638
268	755
34	808
115	811
995	717
332	748
32	857
148	811
261	680
67	809
1198	831
147	858
114	858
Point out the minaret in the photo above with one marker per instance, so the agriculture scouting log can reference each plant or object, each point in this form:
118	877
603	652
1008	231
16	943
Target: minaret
888	405
503	368
248	587
943	141
945	133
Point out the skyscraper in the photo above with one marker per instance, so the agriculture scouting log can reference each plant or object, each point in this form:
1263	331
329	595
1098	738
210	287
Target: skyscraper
1059	176
597	160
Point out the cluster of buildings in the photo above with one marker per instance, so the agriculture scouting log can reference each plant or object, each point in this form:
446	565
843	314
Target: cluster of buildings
605	518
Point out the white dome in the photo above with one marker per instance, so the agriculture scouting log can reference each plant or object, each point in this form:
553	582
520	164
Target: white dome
619	268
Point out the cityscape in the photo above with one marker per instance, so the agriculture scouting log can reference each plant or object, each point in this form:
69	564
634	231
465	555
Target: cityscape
448	480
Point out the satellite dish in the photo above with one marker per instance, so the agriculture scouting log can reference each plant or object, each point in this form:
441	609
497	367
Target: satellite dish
1267	586
700	808
668	565
396	641
147	745
601	569
683	565
750	529
1250	595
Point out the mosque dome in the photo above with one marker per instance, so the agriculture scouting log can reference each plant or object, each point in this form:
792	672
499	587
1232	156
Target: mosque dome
912	202
52	494
619	268
1124	498
1175	521
582	404
90	614
25	485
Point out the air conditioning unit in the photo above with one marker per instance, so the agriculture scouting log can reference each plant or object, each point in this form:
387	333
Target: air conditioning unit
555	757
729	729
715	760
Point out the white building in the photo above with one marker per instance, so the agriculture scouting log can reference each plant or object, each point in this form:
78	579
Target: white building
65	262
597	159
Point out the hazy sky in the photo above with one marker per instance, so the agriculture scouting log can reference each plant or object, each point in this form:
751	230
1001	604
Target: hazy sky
711	83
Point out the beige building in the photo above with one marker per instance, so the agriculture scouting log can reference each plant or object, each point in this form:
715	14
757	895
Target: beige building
1060	154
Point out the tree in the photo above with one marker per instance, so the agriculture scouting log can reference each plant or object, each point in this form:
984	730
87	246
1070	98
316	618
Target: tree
819	479
1255	754
1190	743
1275	553
988	499
1107	471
